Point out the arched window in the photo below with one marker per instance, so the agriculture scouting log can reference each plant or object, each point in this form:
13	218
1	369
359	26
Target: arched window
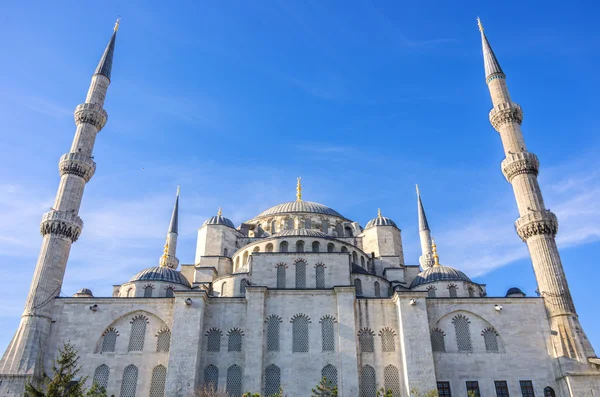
129	383
130	292
347	231
300	333
273	226
300	274
148	291
391	379
452	291
273	333
307	224
169	292
234	381
213	343
138	333
549	392
157	383
471	292
329	372
367	382
358	286
235	340
463	333
362	262
330	247
490	338
245	260
377	289
438	343
109	340
223	288
339	229
388	343
269	248
316	246
344	249
327	334
325	226
300	246
365	340
243	285
256	249
101	376
431	292
283	246
281	275
225	252
163	341
272	380
211	378
354	258
320	275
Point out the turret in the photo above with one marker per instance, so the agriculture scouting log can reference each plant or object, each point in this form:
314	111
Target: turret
426	258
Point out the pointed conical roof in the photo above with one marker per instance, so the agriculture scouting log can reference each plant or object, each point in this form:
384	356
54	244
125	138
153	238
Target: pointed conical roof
105	65
174	225
423	225
492	66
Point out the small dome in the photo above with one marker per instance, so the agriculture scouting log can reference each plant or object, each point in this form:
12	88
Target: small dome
301	232
219	220
84	292
161	273
299	206
439	273
515	292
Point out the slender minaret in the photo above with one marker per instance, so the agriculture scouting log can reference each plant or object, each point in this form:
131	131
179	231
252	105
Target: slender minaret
426	258
536	226
169	258
60	227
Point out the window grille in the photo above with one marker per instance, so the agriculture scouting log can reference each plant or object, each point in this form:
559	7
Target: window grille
163	341
473	388
330	247
463	333
452	291
273	333
501	388
367	382
438	343
377	289
283	247
109	341
148	291
391	380
272	380
223	288
316	246
365	340
444	389
471	292
300	246
234	343
549	392
431	292
234	381
169	292
388	343
138	334
300	333
213	343
307	224
300	274
211	377
269	248
527	388
329	372
101	376
327	334
243	285
490	339
320	276
281	275
358	286
129	384
157	383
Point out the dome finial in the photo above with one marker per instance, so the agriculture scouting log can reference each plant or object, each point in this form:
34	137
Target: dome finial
378	212
299	190
219	212
479	25
436	258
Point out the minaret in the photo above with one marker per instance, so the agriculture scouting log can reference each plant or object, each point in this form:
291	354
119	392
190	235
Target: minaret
426	259
60	227
168	258
537	226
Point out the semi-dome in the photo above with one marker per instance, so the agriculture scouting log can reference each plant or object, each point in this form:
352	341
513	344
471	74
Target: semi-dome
161	273
218	220
299	207
84	292
380	221
439	273
514	292
301	232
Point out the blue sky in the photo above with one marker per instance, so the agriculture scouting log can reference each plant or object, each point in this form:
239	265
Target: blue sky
233	100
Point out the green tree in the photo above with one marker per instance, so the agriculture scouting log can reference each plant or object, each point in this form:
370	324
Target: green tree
325	389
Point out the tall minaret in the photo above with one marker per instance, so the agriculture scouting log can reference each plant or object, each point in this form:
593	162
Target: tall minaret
169	258
536	226
60	227
426	259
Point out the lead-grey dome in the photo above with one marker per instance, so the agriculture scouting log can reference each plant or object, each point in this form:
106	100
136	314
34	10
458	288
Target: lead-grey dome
219	220
381	221
299	206
439	273
301	232
161	273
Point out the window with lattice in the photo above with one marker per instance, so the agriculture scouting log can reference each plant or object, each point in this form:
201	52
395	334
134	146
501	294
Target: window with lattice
320	276
101	376
388	343
272	380
391	379
300	274
526	388
273	333
358	286
213	342
234	344
157	382
549	392
281	275
138	334
473	388
148	291
163	341
234	381
377	289
501	388
129	383
365	340
438	343
327	334
109	341
243	285
367	382
431	292
300	333
452	291
211	377
329	372
169	292
463	333
490	338
444	389
316	246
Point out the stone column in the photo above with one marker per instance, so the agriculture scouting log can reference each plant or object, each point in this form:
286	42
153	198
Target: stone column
348	353
254	338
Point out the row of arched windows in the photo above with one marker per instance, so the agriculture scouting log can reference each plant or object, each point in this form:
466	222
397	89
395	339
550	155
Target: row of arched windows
366	340
130	380
368	384
137	337
234	340
463	337
300	333
376	289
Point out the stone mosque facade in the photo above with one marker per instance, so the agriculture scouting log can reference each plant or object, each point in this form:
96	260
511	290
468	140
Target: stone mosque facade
301	291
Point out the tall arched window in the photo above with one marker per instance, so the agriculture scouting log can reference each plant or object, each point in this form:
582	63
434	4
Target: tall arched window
243	285
549	392
169	292
300	246
148	291
362	262
300	333
365	340
281	275
211	378
235	340
300	274
234	381
320	275
344	249
101	376
213	342
358	286
330	247
272	380
325	226
138	333
438	343
388	343
490	338
224	288
109	340
269	248
347	231
354	258
329	372
377	289
157	382
452	291
327	334
316	246
431	292
367	382
391	379
283	246
129	383
273	333
163	341
307	224
463	333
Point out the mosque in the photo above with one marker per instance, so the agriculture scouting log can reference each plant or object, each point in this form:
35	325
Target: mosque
302	291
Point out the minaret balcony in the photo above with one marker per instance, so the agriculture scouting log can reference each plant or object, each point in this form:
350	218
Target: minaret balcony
77	164
535	223
520	163
91	113
506	112
62	224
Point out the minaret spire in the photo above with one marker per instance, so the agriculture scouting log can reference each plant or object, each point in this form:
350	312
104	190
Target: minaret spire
60	227
537	226
169	258
426	258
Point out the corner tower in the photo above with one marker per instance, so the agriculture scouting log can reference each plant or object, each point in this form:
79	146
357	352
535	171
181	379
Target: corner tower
60	227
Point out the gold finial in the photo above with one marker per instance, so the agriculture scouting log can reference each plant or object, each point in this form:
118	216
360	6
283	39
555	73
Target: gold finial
117	23
480	25
219	212
299	190
418	193
436	258
378	212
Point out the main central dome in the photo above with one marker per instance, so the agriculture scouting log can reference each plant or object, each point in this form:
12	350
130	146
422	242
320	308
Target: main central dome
299	207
